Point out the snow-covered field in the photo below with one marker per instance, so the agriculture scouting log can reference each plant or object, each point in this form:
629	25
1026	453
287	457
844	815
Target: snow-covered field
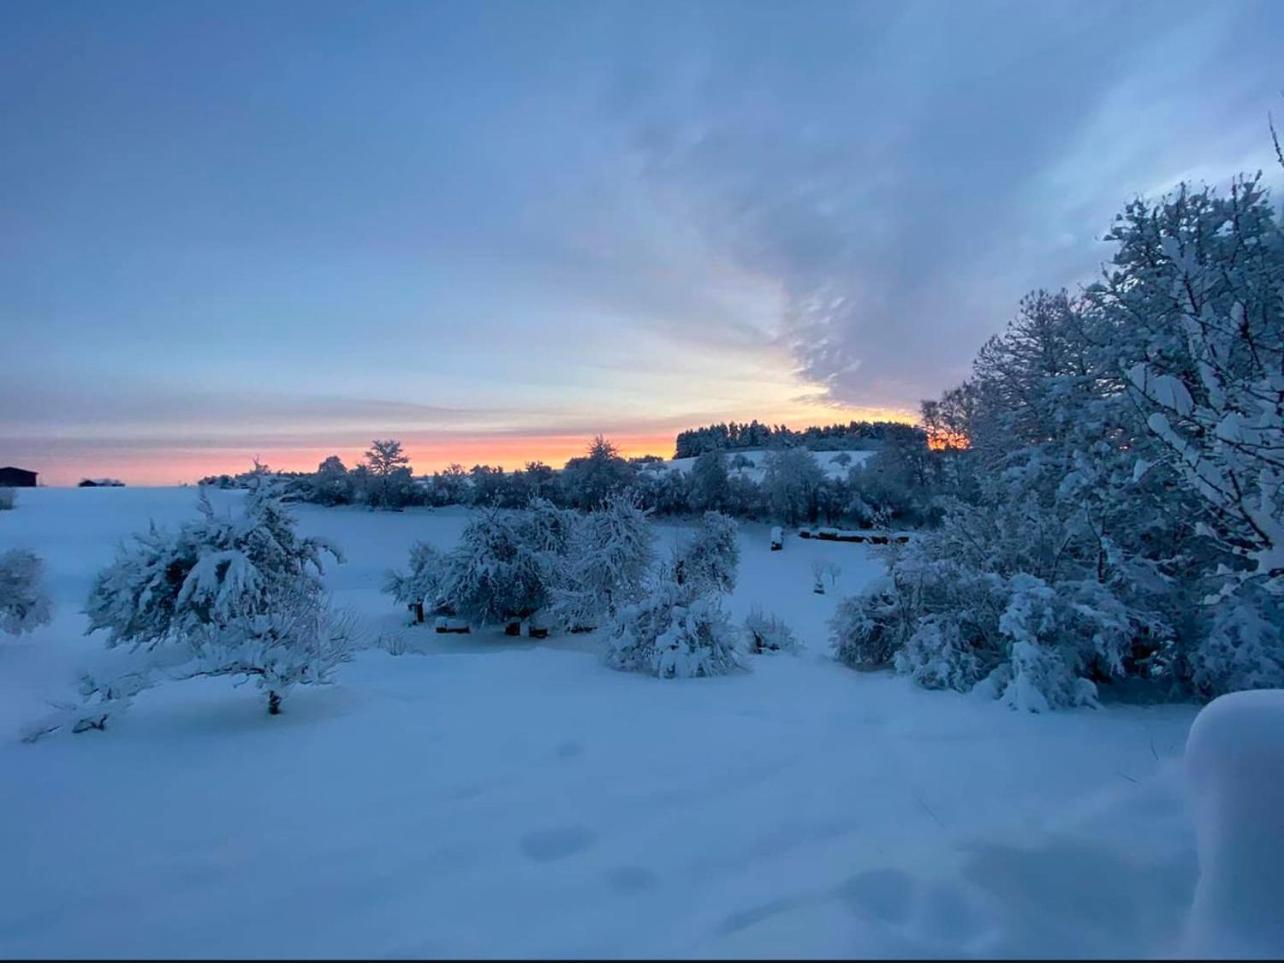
487	796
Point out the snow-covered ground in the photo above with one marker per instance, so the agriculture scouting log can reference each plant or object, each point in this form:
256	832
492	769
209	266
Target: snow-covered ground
835	464
488	796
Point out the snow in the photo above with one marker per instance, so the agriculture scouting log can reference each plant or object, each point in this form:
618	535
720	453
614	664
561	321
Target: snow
483	795
1235	763
832	463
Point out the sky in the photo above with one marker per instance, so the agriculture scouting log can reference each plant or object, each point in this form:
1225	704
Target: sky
493	230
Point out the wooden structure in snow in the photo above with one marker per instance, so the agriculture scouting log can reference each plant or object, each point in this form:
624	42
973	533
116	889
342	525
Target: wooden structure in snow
870	536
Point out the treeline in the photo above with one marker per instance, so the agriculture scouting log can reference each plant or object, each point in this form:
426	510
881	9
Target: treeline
895	486
854	435
1119	516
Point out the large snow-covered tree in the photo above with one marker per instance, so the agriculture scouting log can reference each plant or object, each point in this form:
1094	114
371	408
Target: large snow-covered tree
708	559
331	484
607	558
791	481
388	469
710	484
24	603
507	563
241	594
588	480
1117	512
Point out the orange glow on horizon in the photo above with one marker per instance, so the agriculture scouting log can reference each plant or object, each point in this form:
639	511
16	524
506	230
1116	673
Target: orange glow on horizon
176	465
941	440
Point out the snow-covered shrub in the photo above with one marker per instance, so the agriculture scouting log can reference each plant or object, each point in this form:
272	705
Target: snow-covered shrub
822	569
607	558
240	595
708	559
673	635
24	603
936	656
8	499
1244	644
394	643
765	632
867	628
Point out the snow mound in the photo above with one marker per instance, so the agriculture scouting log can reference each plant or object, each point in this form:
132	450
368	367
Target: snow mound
1235	765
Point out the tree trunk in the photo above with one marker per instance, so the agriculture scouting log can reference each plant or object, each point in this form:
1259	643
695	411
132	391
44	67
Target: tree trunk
274	703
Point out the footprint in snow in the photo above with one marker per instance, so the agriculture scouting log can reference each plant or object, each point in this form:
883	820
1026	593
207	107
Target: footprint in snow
631	879
547	845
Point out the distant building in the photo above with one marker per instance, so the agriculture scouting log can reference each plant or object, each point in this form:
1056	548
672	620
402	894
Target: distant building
11	477
100	483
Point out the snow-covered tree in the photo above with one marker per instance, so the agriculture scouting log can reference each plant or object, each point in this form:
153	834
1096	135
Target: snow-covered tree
671	634
707	560
1213	381
767	633
822	570
790	484
422	584
331	484
507	563
240	594
390	483
24	603
679	628
587	481
710	488
607	558
868	628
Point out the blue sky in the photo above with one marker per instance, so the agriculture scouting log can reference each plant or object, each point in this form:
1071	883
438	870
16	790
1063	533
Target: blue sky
495	229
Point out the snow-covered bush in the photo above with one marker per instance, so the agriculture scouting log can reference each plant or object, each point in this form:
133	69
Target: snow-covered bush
708	559
822	570
607	558
1243	647
937	656
679	629
867	628
8	498
673	635
422	583
765	632
24	603
240	595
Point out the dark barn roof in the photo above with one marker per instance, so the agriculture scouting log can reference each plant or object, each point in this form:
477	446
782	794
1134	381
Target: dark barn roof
11	477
